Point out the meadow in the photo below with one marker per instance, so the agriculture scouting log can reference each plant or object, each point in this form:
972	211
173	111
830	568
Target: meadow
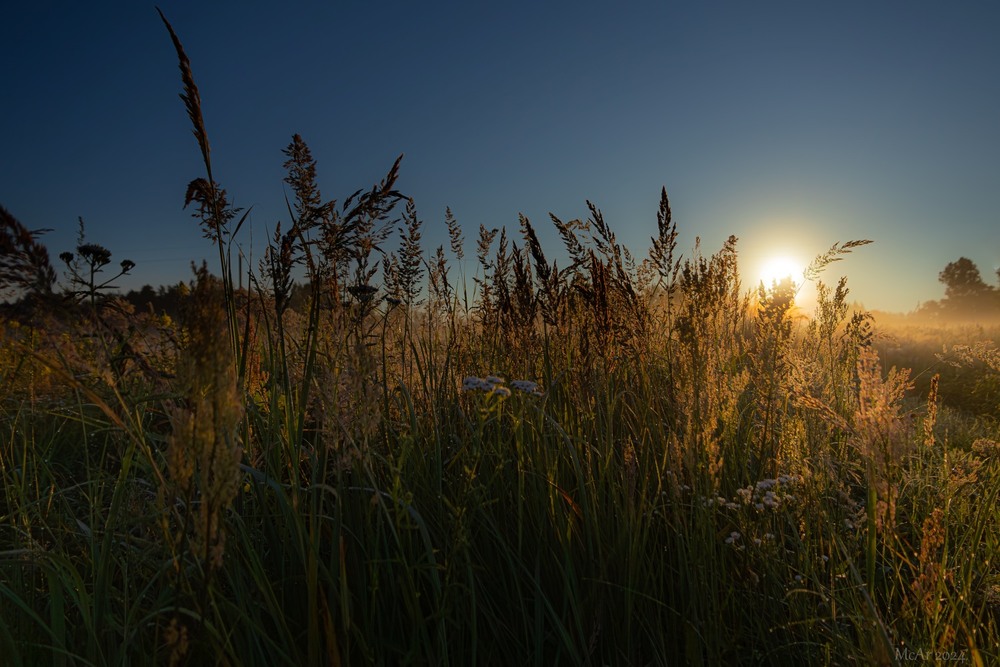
348	451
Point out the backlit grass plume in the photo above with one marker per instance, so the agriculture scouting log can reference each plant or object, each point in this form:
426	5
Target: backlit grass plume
191	97
24	262
203	448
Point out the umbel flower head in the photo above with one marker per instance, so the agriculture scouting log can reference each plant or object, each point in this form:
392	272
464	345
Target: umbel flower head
95	255
494	385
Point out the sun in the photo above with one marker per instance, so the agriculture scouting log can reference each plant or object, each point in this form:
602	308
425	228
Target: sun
777	268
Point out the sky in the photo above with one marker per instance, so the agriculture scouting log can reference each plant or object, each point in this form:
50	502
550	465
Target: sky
791	125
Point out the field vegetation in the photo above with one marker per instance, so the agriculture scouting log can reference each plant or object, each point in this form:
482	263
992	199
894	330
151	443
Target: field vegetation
349	451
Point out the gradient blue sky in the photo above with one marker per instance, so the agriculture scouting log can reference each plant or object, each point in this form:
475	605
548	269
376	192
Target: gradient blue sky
791	125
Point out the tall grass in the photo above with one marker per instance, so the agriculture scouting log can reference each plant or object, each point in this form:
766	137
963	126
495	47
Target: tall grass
616	461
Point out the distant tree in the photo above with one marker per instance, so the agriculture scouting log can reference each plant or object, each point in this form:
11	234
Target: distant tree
962	280
168	298
965	290
144	298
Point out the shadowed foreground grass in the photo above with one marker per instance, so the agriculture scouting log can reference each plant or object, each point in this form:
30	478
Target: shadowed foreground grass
616	462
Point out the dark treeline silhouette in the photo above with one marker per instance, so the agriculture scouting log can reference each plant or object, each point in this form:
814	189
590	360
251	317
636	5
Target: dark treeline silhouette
169	299
163	299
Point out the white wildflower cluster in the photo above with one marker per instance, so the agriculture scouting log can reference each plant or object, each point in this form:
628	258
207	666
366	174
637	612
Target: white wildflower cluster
769	493
758	541
765	539
487	383
492	384
527	386
719	502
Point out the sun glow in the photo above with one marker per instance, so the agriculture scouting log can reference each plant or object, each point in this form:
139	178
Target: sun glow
775	269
